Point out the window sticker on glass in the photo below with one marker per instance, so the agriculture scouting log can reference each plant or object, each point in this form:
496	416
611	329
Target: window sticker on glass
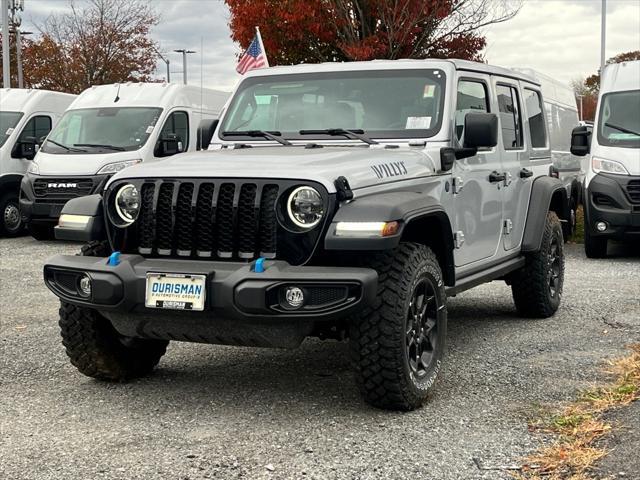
9	131
149	129
414	123
429	91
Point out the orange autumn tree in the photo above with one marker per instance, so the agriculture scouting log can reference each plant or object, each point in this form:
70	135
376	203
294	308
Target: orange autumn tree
100	42
298	31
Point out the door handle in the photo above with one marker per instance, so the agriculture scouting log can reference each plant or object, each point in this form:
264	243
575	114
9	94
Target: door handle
526	173
495	177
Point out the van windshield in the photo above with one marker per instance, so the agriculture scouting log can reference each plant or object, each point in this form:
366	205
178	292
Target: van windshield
8	121
383	104
619	120
100	130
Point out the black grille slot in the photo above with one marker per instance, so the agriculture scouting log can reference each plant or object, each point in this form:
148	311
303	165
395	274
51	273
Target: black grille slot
146	223
62	187
633	189
184	220
268	221
164	219
319	296
205	219
225	220
603	200
247	221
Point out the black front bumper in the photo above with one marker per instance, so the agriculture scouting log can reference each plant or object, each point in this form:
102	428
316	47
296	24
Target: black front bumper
608	199
242	307
45	209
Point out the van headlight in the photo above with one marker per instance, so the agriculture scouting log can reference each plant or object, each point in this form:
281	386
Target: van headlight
127	205
115	167
33	168
305	207
608	166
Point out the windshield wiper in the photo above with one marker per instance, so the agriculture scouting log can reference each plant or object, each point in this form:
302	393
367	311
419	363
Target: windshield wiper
97	145
68	149
356	133
621	129
273	135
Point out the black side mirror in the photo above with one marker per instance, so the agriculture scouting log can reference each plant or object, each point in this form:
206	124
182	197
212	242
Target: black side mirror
205	133
480	130
25	148
170	144
581	141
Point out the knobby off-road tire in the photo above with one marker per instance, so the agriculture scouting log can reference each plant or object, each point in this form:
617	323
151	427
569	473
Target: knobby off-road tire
397	344
96	349
10	220
537	287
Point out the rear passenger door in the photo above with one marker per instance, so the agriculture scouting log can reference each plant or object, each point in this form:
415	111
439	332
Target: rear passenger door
477	201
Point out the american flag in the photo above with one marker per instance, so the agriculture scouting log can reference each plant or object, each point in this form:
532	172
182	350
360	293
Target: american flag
254	57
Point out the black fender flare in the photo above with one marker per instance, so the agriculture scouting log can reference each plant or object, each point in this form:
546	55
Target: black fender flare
547	193
88	206
412	210
9	181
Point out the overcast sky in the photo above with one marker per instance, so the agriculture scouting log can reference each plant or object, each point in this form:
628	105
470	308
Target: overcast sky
558	37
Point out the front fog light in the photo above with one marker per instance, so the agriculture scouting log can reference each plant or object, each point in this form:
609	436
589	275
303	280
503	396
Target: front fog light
127	204
601	226
84	285
294	297
305	207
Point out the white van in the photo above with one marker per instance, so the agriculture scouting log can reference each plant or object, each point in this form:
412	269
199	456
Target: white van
562	117
106	129
25	115
612	196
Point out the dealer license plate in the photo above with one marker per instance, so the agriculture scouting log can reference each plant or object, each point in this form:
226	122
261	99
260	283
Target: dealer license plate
175	291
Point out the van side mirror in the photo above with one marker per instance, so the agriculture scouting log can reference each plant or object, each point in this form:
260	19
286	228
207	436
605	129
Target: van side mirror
480	130
170	144
580	141
25	148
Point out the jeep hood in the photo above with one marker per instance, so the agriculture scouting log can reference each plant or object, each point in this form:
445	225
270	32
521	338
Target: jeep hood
362	166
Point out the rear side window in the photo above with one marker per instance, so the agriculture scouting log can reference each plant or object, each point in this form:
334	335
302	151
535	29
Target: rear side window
472	97
36	127
178	123
535	114
510	119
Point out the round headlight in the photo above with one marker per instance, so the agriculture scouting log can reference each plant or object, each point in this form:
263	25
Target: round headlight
127	204
305	207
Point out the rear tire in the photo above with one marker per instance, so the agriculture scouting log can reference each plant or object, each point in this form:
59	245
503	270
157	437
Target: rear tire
41	232
10	220
537	287
594	247
96	348
398	343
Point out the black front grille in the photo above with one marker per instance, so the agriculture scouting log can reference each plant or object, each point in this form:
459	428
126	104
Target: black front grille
62	187
208	219
633	190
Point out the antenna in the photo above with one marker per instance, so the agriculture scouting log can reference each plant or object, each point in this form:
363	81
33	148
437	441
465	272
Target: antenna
201	92
117	94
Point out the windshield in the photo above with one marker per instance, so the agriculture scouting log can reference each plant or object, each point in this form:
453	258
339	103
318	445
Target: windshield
8	121
619	120
384	104
100	130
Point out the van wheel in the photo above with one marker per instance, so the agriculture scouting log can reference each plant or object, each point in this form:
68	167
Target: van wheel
41	232
11	222
398	343
594	247
537	287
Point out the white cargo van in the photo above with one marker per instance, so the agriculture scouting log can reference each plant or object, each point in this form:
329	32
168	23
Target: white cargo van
106	129
26	115
612	195
561	110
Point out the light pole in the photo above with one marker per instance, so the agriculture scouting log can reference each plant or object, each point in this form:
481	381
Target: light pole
6	66
167	62
581	116
184	62
603	36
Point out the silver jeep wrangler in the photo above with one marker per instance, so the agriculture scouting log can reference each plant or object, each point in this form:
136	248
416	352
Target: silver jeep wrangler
343	201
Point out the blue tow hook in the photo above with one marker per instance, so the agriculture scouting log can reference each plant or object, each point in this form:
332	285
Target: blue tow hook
114	259
259	265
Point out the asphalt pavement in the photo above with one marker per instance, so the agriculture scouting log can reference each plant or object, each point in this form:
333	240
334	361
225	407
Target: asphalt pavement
225	412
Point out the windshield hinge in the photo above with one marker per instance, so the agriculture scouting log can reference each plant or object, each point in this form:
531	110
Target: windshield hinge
343	190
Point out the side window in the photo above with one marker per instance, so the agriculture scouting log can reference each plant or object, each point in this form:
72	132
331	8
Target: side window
536	116
510	119
178	123
472	96
36	127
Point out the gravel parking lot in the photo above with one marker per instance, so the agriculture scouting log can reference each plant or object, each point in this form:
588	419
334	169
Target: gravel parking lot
223	412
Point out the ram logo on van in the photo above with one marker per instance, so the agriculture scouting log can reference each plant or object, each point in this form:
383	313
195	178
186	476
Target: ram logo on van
62	185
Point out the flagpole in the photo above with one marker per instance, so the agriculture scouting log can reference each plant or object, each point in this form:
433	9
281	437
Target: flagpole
262	45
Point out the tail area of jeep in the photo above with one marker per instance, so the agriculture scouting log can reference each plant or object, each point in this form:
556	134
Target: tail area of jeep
339	201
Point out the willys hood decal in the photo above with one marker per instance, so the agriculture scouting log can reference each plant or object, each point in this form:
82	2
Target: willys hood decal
361	166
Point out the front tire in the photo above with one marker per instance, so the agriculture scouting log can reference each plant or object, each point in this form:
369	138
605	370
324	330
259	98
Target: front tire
11	222
537	287
398	343
41	232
